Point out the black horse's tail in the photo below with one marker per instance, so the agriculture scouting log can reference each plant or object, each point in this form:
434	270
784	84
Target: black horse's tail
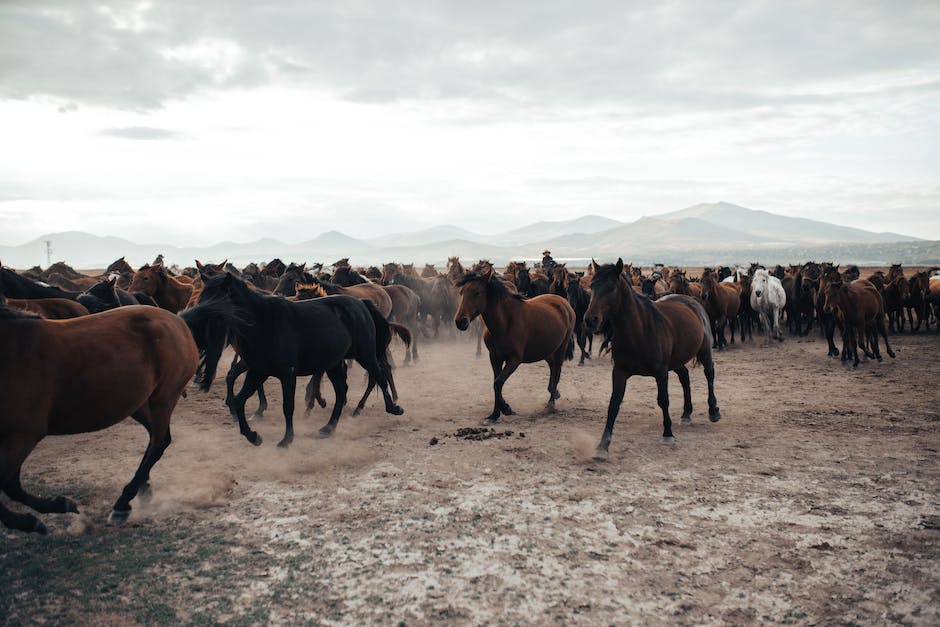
383	336
211	323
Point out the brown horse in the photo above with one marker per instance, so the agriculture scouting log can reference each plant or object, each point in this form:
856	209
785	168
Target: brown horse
168	292
722	302
650	339
48	308
75	376
917	301
897	292
517	330
861	309
429	271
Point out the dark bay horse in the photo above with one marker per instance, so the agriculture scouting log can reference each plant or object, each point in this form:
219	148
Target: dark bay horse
517	331
860	307
722	302
105	295
650	339
280	338
48	308
86	374
568	286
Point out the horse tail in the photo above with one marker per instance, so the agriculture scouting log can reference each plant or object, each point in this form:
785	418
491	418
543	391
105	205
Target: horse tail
401	331
383	336
210	324
706	327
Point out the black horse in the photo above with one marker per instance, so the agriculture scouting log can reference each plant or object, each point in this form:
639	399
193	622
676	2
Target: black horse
285	339
104	295
12	285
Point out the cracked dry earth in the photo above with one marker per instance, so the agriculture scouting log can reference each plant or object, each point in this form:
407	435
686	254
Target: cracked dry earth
816	499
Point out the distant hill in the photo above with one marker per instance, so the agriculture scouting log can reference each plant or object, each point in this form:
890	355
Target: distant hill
705	233
770	227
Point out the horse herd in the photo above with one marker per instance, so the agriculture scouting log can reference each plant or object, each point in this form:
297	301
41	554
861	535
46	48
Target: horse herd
77	356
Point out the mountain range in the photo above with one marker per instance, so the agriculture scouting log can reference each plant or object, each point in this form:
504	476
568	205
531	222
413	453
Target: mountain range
703	233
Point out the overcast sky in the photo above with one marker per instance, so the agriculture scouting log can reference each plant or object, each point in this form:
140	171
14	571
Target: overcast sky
196	121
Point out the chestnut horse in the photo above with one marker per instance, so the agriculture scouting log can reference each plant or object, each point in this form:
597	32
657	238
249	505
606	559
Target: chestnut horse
167	291
650	339
861	309
86	374
517	331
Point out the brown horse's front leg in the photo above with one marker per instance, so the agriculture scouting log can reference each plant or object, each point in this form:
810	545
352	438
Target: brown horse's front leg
500	405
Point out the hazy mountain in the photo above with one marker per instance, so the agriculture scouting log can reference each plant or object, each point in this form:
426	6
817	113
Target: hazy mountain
442	233
552	230
703	233
765	226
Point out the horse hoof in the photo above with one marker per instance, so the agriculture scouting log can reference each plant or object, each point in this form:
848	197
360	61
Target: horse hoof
39	527
491	420
325	432
394	410
600	455
119	517
506	410
686	420
669	439
66	505
255	438
356	412
284	443
714	416
321	402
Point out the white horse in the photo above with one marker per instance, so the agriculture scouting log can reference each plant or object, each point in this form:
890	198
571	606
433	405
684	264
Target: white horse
768	299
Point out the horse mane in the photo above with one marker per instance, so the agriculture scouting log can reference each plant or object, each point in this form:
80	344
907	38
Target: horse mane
317	288
496	286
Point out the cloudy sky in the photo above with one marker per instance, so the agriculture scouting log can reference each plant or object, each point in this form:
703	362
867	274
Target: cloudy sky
194	121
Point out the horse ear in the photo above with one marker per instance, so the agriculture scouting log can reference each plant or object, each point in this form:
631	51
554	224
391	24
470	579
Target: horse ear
594	267
303	266
619	265
223	264
199	264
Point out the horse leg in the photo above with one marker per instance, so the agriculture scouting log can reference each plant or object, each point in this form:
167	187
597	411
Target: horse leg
237	368
554	375
312	393
662	399
159	431
288	389
830	331
14	449
337	375
262	404
369	388
683	373
582	340
501	406
618	388
57	505
884	334
479	336
253	381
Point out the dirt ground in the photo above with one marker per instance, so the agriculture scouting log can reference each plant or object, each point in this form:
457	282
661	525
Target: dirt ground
815	500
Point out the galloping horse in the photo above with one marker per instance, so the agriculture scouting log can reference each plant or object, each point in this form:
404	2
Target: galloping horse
768	299
86	374
517	331
650	338
284	339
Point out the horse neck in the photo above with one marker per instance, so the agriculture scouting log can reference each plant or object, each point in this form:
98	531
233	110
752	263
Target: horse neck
498	313
633	315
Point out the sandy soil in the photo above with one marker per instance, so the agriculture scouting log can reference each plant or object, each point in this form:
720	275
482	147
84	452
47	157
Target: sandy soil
816	499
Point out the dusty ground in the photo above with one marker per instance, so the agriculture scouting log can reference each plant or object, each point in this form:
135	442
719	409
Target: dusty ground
815	500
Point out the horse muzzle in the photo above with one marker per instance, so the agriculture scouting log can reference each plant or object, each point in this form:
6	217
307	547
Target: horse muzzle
757	293
462	323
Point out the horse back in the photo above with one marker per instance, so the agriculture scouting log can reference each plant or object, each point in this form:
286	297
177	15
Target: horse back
88	373
685	330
